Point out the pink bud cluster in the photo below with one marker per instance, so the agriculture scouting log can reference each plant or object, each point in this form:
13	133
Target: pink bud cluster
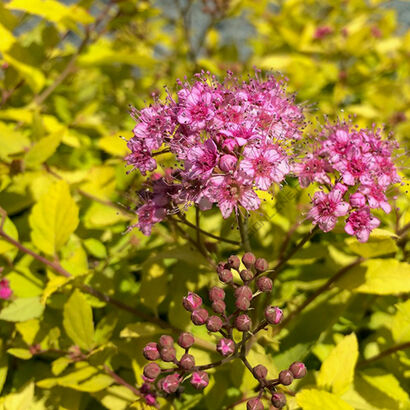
354	168
228	138
224	321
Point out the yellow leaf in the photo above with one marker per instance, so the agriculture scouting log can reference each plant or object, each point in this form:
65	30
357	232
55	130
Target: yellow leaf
313	399
337	370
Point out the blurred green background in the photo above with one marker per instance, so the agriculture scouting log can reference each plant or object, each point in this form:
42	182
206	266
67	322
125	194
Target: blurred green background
68	72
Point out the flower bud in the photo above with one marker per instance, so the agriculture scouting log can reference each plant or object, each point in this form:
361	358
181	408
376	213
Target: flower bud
227	162
242	303
264	284
192	301
199	317
357	200
151	351
170	383
273	315
151	371
214	323
225	276
168	354
260	371
298	370
248	259
246	275
216	293
220	267
278	400
199	380
186	340
285	377
234	262
261	265
187	361
244	291
166	341
225	347
150	399
219	306
243	323
254	404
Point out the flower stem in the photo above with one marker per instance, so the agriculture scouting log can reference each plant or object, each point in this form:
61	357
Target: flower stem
384	353
243	230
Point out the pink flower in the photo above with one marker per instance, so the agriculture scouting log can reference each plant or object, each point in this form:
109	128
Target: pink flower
199	380
148	215
225	347
360	223
312	169
376	197
264	165
196	107
201	160
230	192
140	156
327	208
228	162
322	32
357	200
5	291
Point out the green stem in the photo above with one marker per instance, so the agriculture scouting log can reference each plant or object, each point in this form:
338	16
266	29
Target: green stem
243	230
384	353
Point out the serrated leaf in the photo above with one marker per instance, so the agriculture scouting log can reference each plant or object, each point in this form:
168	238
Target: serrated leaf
313	399
381	242
53	219
379	277
78	320
337	371
22	309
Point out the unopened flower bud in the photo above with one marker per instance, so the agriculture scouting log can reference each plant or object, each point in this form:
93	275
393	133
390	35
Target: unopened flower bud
151	371
214	323
260	371
273	315
234	262
248	259
170	383
261	265
286	377
298	370
187	361
220	267
225	276
150	399
243	323
357	200
254	404
151	351
244	291
219	306
168	354
242	303
278	400
225	347
166	341
186	340
264	284
199	316
246	275
216	293
227	162
192	301
199	380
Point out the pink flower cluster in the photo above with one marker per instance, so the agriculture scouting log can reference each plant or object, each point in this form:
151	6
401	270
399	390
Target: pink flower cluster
5	291
229	139
354	168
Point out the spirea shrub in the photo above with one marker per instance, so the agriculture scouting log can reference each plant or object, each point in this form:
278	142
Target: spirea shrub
232	139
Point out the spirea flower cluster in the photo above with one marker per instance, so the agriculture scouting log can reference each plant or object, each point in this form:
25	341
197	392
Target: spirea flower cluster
231	139
354	168
228	322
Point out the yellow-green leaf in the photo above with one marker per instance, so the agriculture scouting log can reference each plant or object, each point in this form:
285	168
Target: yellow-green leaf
78	320
401	323
55	283
379	277
20	400
381	242
154	285
42	150
53	219
313	399
337	370
20	353
22	309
